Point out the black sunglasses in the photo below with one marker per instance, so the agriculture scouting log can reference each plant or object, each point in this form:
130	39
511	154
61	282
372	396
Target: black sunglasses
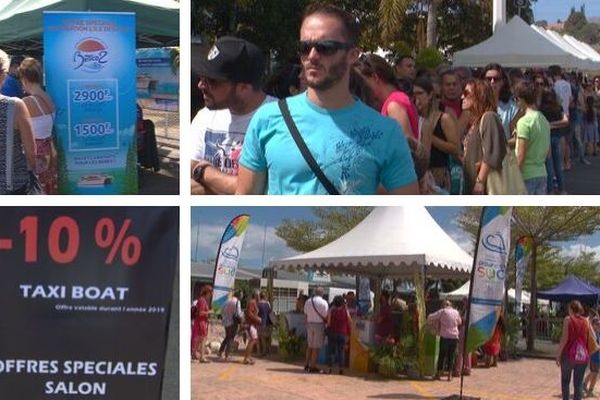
323	47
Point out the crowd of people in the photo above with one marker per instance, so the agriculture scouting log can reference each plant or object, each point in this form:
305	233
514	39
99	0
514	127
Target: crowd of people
254	322
27	156
359	124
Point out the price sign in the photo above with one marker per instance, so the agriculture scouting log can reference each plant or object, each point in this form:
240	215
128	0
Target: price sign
87	294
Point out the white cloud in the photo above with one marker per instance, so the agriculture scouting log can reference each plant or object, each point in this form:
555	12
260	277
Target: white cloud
574	250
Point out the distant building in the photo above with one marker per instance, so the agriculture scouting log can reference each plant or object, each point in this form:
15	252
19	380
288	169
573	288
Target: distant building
556	26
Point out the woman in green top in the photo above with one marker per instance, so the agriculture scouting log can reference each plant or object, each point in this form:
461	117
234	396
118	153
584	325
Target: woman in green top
533	140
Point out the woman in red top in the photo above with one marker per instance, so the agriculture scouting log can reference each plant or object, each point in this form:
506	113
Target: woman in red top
396	104
338	330
576	331
200	326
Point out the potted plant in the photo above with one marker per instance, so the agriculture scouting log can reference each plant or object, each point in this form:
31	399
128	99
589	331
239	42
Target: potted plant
290	346
407	349
386	357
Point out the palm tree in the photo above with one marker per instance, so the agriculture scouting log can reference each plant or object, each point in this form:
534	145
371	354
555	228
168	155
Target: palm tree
432	22
392	14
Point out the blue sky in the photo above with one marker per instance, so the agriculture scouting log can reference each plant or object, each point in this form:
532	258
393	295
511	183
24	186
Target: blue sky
553	10
208	224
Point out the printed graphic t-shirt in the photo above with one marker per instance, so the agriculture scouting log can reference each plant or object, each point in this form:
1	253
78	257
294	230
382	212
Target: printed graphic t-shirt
218	137
356	148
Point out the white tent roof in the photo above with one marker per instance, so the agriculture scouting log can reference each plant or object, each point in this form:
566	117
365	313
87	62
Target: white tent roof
584	47
585	61
463	292
516	44
389	242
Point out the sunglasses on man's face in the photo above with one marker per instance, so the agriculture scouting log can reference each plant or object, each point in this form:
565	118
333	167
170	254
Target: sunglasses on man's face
323	47
493	78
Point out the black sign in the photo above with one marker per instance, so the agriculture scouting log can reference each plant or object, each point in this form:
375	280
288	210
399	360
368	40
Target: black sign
85	295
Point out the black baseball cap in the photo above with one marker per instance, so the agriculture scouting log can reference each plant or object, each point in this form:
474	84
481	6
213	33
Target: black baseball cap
233	59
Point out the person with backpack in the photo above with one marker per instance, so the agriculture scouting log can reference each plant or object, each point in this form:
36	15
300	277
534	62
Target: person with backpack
573	355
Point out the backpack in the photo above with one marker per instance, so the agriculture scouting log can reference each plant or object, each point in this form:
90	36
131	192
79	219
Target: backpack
578	351
194	311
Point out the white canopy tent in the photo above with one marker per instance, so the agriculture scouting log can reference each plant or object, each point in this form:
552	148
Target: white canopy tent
463	292
391	242
585	61
516	44
584	47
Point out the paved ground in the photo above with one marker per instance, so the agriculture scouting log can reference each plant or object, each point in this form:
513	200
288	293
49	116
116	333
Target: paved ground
525	379
584	179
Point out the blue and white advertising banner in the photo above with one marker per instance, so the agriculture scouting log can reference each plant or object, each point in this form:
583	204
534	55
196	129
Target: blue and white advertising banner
489	274
228	257
157	80
522	257
90	71
364	294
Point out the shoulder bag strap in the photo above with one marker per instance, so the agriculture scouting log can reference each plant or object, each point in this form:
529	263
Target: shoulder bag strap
10	143
331	189
312	300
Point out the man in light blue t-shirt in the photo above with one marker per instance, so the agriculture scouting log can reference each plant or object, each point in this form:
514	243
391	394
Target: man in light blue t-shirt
358	150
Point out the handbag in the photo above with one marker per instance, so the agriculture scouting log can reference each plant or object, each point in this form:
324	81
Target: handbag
33	185
308	157
236	318
508	180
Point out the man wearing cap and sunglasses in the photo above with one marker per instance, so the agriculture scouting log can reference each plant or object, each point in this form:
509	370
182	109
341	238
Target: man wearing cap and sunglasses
230	80
354	150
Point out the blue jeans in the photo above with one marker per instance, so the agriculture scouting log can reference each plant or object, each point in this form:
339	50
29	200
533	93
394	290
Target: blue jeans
337	352
554	164
578	371
536	185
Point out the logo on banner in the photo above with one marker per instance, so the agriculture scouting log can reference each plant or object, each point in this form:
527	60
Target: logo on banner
90	55
495	243
231	253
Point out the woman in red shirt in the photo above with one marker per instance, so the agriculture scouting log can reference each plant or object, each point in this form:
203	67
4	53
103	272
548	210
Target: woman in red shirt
338	330
200	325
572	354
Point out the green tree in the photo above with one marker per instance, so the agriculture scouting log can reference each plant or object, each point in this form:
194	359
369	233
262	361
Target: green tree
463	23
575	22
547	226
331	223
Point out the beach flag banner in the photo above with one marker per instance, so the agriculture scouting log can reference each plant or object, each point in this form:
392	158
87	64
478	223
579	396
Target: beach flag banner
522	257
488	274
228	257
90	73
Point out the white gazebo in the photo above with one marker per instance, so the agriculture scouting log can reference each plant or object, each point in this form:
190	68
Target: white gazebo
391	242
516	44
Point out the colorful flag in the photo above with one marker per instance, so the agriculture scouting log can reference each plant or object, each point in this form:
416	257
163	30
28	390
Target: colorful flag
228	257
488	275
522	256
